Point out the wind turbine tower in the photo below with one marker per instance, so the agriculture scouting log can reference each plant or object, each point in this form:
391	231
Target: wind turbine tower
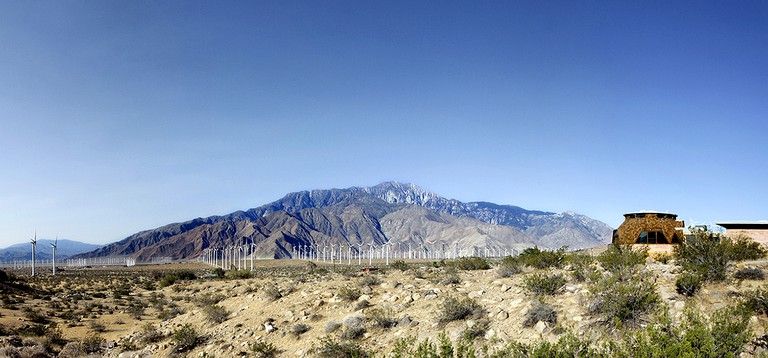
53	248
34	246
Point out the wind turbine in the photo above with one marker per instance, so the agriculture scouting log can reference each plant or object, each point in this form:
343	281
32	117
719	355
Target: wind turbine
53	248
34	246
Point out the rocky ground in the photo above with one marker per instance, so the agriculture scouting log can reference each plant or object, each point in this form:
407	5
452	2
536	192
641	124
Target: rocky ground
293	310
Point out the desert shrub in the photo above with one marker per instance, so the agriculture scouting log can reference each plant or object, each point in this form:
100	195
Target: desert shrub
472	263
362	304
724	335
688	283
348	293
663	257
35	315
569	345
149	334
442	348
218	272
352	332
478	329
4	276
400	265
263	349
330	348
539	312
239	274
70	350
581	266
451	279
541	259
97	326
381	318
756	300
186	275
622	260
216	314
541	284
272	292
744	248
170	311
136	310
92	343
299	329
618	303
749	274
209	299
369	281
509	267
454	309
185	338
705	254
332	326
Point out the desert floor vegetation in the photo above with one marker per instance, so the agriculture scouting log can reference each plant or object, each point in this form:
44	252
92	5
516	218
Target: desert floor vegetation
613	302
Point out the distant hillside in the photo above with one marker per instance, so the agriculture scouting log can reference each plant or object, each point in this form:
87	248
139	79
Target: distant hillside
64	250
387	213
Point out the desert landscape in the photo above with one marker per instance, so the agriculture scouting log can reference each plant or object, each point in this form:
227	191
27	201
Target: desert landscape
607	301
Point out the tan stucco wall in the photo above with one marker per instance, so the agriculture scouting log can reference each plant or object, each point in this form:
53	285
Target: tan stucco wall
760	236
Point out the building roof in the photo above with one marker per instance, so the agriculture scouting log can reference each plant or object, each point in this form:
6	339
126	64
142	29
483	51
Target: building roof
762	224
650	212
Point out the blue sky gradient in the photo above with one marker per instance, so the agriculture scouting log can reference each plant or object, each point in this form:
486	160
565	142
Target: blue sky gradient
120	116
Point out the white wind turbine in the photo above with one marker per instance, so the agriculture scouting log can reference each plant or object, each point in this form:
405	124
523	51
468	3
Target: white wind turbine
34	246
53	248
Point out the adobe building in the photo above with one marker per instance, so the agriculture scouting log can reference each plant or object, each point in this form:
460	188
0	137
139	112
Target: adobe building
757	230
649	228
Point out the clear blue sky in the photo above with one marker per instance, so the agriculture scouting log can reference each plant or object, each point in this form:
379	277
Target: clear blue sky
121	116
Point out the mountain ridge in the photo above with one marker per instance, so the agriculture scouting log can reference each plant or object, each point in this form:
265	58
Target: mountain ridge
354	215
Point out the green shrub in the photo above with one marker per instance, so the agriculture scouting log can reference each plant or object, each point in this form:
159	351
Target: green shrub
216	314
299	329
186	275
4	276
724	335
381	318
330	348
541	284
348	293
185	338
263	349
618	303
400	265
756	300
541	259
239	274
219	272
581	266
744	248
149	334
688	284
566	346
749	274
92	343
208	299
352	332
705	254
369	281
509	267
454	309
272	292
471	263
539	312
622	260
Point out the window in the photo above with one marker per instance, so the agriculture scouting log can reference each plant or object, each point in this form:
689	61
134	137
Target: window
652	237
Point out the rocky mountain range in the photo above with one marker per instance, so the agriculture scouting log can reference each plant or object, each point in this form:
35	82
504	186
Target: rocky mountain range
390	212
43	251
